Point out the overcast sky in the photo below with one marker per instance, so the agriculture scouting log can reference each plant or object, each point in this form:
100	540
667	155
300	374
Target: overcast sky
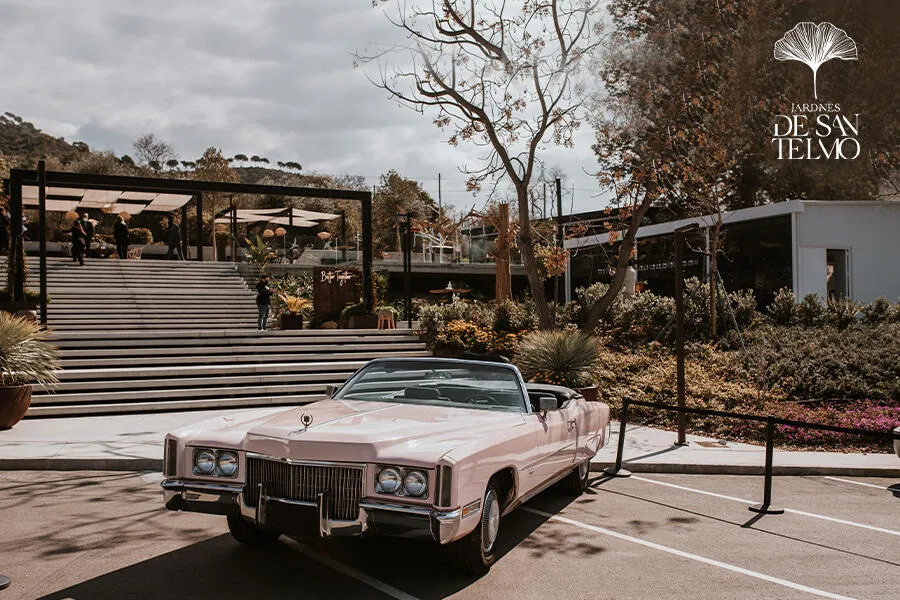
267	77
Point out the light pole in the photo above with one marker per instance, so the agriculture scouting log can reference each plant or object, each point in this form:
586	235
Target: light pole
679	329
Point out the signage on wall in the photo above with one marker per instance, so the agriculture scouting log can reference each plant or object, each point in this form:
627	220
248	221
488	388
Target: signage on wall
333	289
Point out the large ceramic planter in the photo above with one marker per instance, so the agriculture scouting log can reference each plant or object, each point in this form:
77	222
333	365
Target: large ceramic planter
591	394
363	322
290	321
14	403
18	307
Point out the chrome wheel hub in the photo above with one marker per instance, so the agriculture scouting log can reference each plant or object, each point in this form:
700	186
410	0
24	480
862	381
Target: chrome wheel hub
490	521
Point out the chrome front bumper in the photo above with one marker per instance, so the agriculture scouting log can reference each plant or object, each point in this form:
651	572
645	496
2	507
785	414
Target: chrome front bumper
301	517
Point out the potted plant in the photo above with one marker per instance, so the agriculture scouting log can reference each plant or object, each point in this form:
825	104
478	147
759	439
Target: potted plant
25	358
355	316
564	358
294	308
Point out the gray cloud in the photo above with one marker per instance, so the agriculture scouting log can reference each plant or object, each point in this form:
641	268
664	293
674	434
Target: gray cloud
269	77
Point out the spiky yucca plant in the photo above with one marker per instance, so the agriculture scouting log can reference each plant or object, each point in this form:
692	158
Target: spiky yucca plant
25	355
566	358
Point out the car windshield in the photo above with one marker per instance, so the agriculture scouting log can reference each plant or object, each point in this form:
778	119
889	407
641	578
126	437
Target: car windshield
437	383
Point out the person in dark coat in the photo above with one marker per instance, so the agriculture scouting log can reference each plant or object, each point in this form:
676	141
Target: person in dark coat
78	237
5	231
120	234
263	301
173	237
88	232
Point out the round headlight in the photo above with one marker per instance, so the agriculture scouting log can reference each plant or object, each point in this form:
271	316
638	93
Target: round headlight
415	483
204	462
227	464
389	481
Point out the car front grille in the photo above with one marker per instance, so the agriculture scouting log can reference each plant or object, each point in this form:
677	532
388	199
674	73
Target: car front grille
304	482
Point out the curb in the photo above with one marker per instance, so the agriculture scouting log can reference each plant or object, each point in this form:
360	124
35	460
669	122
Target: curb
81	464
156	464
701	469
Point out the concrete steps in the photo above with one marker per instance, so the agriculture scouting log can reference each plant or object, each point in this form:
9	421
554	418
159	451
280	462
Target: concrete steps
139	336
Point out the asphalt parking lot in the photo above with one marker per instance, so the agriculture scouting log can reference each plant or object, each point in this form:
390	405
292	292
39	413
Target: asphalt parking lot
96	535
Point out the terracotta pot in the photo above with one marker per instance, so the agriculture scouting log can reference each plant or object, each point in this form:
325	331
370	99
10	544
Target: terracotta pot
14	403
591	394
290	321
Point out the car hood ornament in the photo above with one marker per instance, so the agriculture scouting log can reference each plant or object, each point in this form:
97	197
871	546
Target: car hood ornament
306	420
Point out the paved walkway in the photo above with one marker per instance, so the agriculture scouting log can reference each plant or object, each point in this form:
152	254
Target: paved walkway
134	443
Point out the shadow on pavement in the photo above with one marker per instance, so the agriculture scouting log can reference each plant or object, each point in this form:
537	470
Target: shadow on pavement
221	568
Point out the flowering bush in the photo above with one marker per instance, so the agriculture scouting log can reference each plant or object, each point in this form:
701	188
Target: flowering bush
460	336
781	310
880	311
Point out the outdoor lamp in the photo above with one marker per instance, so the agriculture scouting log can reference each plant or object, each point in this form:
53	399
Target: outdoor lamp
71	216
323	235
280	231
108	209
268	233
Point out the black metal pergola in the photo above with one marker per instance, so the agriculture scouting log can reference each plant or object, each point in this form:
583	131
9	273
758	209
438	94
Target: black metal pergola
19	178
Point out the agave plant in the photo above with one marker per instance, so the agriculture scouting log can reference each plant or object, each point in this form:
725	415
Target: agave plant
259	253
25	355
295	304
815	45
566	358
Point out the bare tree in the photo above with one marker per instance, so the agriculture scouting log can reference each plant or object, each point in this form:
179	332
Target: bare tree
504	78
150	150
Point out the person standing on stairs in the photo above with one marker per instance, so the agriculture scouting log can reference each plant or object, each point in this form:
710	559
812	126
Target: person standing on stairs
78	239
173	237
88	227
120	233
263	301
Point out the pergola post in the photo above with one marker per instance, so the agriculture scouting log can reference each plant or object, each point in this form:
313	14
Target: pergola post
184	233
16	276
290	230
368	287
199	239
42	232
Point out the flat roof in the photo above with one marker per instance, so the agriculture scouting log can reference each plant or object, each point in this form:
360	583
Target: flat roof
735	216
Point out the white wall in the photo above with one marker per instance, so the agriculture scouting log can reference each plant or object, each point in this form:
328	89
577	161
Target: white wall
872	234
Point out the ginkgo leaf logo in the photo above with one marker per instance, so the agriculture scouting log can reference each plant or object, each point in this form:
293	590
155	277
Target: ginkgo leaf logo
815	45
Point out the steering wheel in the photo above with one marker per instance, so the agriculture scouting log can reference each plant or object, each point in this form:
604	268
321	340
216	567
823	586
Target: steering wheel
482	399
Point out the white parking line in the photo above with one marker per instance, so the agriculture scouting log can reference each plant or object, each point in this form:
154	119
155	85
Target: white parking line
871	485
688	555
787	510
349	571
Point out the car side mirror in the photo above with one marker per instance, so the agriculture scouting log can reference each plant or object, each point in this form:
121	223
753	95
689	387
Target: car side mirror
331	389
546	403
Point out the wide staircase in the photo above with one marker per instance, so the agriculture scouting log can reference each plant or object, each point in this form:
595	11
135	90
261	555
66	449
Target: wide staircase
110	295
145	336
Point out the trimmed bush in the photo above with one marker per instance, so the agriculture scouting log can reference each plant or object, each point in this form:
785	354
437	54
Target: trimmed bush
880	311
841	313
781	310
810	312
140	235
513	317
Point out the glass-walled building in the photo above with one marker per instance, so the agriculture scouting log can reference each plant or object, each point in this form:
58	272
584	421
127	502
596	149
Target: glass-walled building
832	249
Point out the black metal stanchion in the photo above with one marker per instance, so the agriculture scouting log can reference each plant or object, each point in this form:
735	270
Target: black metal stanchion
766	506
617	470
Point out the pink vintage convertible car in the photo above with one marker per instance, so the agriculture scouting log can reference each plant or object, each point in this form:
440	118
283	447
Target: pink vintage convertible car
430	447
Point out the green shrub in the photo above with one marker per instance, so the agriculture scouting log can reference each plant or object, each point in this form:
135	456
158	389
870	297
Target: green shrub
560	357
513	317
140	235
841	312
781	310
642	317
810	311
459	336
827	363
880	311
